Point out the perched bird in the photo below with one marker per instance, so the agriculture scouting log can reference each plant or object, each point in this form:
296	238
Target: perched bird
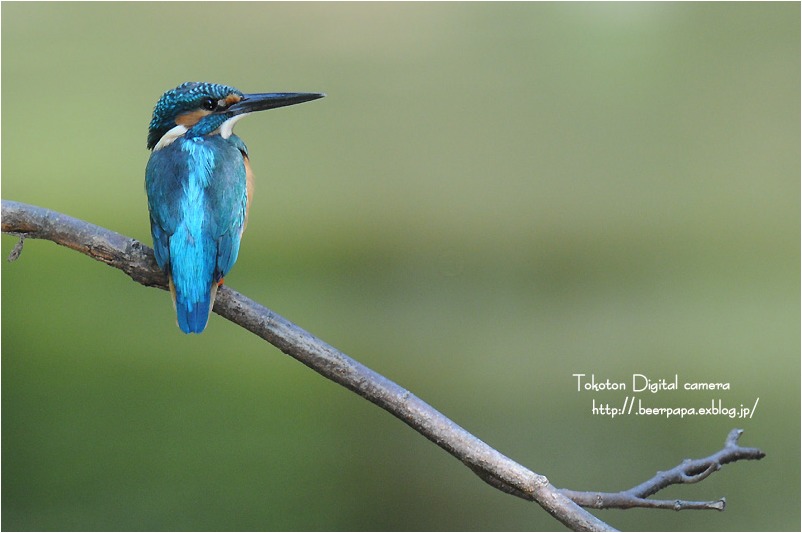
199	184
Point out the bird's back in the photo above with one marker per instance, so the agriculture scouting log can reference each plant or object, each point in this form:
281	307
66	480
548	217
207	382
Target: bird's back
197	199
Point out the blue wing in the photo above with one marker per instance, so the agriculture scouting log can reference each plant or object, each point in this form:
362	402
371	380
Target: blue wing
197	200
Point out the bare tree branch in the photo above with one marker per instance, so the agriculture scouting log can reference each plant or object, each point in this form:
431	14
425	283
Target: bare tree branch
501	472
689	471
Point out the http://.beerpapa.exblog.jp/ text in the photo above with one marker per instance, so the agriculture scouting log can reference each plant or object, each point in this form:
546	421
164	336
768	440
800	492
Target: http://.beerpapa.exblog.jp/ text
650	405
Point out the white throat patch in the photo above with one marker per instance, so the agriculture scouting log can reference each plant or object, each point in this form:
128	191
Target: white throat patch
227	127
170	136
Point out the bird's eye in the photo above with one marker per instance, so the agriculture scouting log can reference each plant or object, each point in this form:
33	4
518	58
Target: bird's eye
209	104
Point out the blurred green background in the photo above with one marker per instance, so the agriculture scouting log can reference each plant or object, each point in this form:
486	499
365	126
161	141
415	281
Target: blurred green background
492	198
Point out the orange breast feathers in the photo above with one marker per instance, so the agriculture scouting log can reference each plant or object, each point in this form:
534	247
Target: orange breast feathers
249	186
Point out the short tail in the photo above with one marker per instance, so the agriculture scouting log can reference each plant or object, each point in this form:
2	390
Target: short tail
193	315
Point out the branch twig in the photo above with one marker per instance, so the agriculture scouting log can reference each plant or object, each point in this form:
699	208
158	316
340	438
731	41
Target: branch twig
501	472
688	471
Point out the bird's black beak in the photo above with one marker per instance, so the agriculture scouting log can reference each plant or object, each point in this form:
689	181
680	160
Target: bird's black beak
262	101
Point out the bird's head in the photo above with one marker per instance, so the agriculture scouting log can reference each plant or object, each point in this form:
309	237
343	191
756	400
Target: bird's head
198	108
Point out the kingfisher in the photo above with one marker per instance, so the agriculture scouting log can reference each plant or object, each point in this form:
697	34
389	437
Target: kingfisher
199	185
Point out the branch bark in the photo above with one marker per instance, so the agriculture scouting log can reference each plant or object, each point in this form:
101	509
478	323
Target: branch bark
501	472
687	472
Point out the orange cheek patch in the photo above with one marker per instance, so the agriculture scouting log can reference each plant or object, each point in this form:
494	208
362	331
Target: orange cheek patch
191	118
232	99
